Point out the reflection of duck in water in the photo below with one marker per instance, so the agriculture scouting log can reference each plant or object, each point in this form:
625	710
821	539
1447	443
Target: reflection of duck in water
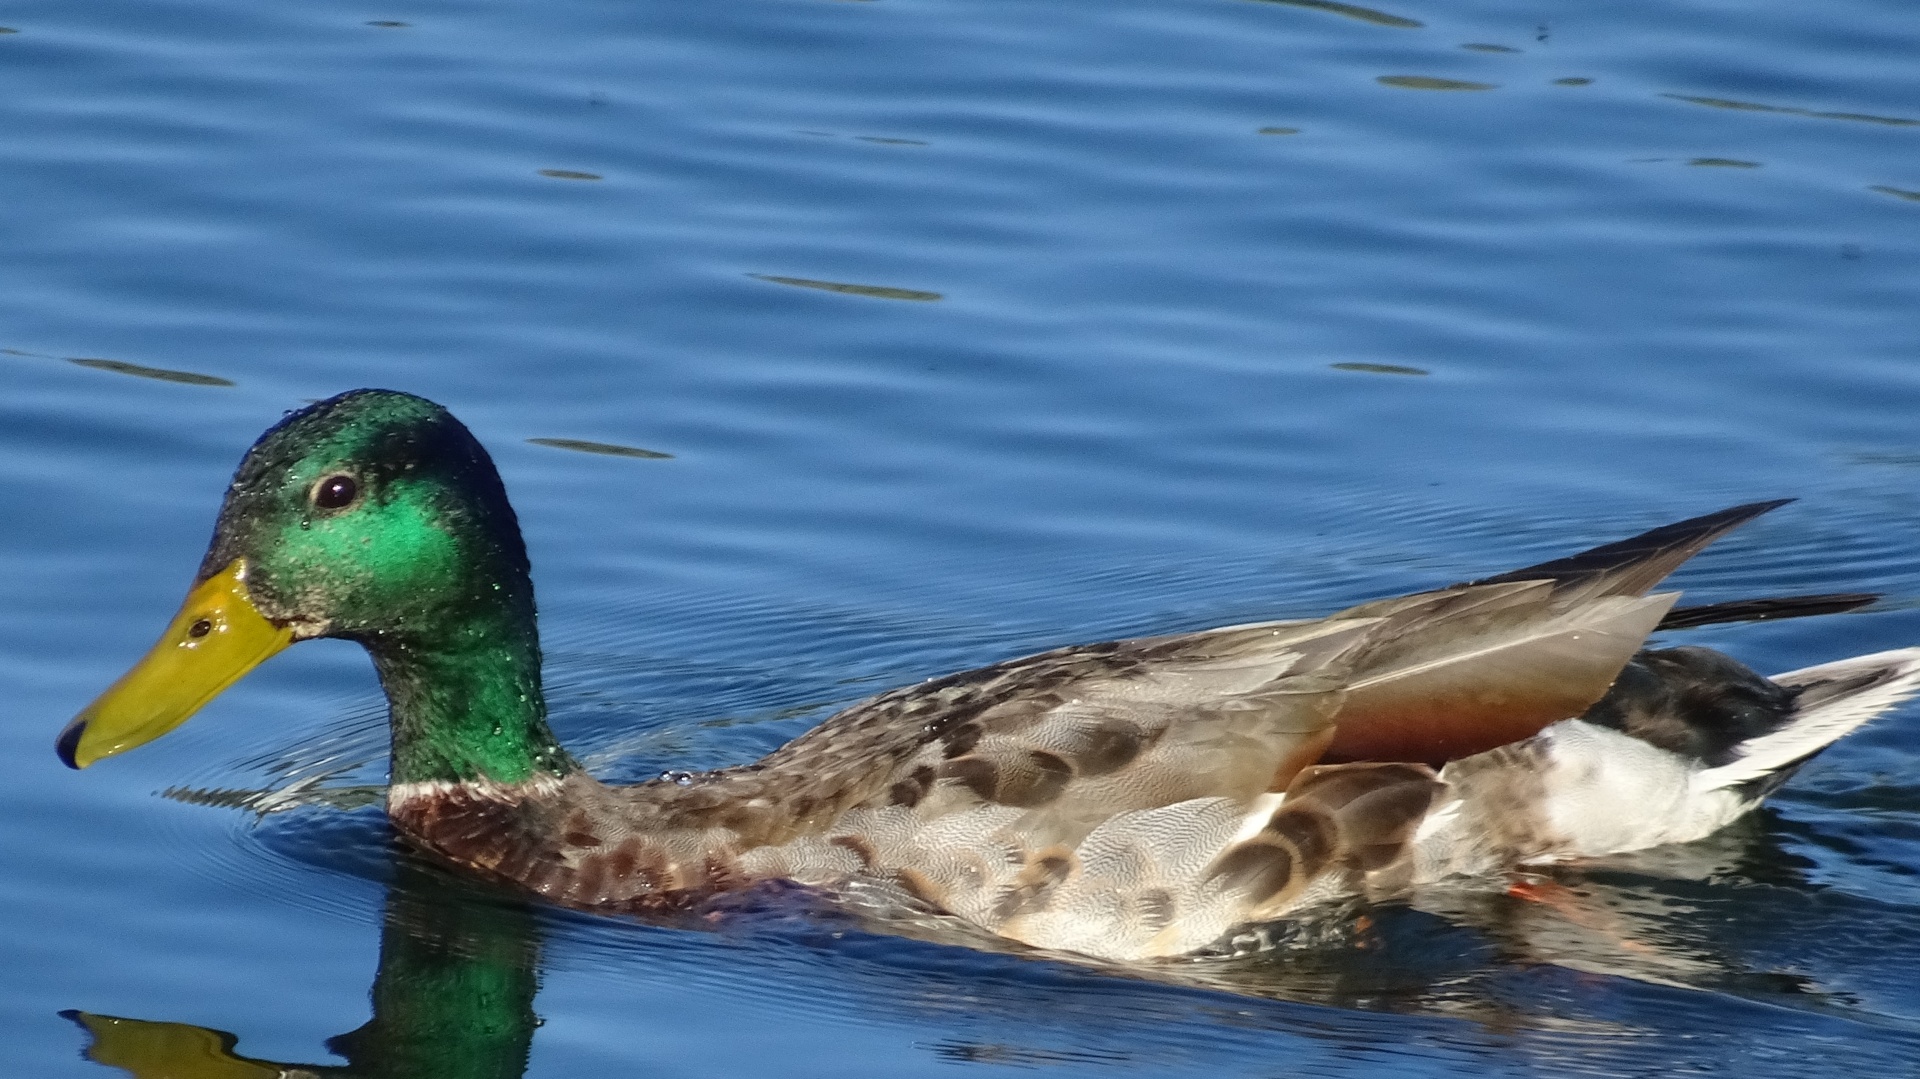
453	998
1126	800
459	971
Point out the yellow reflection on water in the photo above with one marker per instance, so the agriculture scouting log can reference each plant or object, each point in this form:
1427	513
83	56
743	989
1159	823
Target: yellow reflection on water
152	1050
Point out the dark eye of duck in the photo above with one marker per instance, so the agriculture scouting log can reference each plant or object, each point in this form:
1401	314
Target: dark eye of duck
335	492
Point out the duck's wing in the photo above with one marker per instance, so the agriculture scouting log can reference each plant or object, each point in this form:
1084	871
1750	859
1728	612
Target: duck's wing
1032	796
1422	696
1073	736
1135	768
1064	738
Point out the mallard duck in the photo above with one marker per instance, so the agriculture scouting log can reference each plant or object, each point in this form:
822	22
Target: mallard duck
1124	800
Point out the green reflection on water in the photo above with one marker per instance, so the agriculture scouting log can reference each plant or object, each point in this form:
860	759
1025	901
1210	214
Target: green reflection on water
453	998
1898	193
879	292
1724	163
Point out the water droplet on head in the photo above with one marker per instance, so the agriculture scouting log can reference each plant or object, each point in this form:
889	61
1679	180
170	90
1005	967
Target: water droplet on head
678	778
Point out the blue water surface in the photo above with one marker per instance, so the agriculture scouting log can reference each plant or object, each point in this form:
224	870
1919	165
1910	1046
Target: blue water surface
971	328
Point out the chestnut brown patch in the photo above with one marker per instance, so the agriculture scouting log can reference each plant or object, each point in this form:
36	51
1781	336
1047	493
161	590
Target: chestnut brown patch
590	882
514	863
623	858
922	887
861	849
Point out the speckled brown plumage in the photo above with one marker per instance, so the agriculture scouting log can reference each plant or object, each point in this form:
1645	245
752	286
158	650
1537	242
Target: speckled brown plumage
1139	797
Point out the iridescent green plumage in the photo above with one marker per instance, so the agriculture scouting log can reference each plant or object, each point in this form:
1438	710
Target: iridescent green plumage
425	567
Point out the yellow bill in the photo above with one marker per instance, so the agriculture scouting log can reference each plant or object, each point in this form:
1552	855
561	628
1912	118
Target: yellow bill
217	637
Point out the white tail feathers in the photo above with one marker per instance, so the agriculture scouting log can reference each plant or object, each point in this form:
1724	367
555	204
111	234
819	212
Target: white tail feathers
1834	699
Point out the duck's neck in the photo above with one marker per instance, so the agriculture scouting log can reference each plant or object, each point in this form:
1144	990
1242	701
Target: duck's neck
466	706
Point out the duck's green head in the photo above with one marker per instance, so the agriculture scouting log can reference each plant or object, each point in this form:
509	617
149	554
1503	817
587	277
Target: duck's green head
374	516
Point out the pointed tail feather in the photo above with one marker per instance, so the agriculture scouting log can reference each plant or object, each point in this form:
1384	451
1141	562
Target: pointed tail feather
1771	608
1630	567
1834	698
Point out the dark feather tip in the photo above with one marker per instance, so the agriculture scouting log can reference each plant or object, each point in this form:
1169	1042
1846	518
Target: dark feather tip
1763	610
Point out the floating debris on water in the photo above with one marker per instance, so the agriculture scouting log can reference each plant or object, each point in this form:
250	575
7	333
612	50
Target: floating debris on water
1353	11
609	449
879	292
1379	368
1754	106
122	367
1428	82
